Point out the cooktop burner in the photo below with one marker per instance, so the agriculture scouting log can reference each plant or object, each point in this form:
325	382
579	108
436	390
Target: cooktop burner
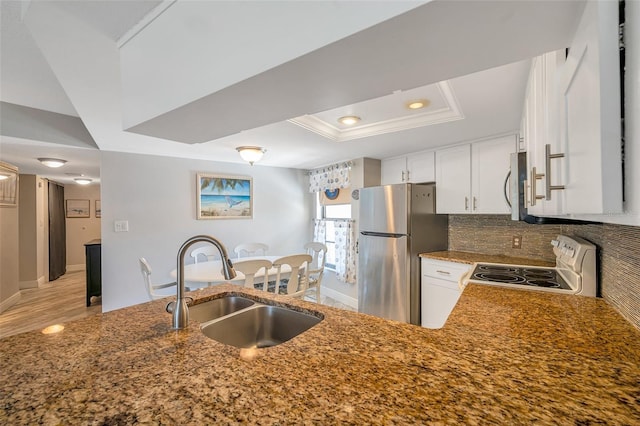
535	277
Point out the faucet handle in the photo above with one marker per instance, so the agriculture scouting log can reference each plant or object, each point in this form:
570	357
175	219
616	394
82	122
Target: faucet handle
172	305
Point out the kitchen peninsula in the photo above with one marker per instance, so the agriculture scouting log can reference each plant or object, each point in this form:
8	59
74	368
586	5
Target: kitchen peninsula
503	357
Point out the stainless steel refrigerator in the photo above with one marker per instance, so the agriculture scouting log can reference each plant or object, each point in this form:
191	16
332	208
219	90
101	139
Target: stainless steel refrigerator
396	223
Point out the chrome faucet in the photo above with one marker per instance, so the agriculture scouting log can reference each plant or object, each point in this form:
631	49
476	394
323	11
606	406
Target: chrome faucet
180	310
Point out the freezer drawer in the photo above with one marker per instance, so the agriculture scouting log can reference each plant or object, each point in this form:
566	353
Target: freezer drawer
383	277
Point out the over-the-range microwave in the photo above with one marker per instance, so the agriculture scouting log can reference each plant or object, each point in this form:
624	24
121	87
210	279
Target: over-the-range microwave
515	194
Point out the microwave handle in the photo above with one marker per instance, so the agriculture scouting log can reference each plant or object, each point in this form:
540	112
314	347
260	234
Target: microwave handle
506	188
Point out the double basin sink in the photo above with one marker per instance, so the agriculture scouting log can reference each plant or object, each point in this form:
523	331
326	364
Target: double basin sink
245	323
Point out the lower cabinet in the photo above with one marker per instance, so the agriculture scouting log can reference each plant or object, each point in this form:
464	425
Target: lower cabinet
440	290
93	254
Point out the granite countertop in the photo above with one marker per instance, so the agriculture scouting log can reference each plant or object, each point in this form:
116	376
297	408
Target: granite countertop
504	357
469	257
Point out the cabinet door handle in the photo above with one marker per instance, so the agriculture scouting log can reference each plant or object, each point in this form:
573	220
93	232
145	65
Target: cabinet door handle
535	177
443	272
408	175
475	202
466	203
548	156
403	176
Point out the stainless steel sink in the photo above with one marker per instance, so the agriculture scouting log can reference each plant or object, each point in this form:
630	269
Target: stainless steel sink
259	326
217	308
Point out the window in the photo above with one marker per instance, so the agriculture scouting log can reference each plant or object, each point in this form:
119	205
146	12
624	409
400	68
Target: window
331	213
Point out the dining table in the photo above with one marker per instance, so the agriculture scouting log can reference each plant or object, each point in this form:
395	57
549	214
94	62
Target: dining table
210	272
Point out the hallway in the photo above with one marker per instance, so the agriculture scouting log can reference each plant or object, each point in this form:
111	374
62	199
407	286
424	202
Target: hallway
56	302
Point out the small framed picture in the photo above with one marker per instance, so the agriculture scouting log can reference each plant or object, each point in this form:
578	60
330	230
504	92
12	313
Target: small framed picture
8	185
224	197
78	208
98	209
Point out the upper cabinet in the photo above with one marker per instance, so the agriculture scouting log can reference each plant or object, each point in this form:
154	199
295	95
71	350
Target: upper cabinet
471	178
572	122
415	168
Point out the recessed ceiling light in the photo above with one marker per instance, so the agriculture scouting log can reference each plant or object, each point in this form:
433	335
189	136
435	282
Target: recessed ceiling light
83	181
417	104
348	120
52	162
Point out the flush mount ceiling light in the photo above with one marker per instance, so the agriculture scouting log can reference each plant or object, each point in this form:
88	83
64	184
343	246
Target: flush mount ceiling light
52	162
83	181
251	154
348	120
418	103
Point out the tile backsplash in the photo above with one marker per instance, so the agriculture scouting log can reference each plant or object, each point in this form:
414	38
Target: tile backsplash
493	234
618	250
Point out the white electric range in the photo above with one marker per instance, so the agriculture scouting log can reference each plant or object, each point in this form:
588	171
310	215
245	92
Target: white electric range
574	273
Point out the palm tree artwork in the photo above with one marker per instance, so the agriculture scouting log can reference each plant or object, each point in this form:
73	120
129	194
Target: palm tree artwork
224	197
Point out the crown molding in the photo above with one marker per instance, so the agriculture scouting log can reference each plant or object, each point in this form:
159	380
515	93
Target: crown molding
451	112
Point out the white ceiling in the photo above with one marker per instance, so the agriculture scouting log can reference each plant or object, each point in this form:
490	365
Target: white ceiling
64	57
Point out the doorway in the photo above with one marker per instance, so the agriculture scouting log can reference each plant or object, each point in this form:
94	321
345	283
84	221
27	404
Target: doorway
57	232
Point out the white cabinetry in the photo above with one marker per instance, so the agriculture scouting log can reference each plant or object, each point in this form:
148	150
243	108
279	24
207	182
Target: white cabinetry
440	290
470	178
415	168
590	91
571	122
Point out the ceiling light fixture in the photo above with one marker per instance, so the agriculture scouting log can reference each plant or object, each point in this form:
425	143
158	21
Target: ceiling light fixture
52	162
83	181
251	154
417	104
348	120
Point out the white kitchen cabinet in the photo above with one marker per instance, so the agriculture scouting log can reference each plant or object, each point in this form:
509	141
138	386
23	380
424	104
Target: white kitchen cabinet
470	178
440	290
571	124
590	93
414	168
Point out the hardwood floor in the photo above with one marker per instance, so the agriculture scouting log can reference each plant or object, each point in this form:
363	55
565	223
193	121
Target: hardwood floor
56	302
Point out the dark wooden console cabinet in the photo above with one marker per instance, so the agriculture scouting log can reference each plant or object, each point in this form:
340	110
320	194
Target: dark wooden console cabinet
93	251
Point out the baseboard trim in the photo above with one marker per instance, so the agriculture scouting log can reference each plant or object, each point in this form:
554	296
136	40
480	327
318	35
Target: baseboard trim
340	297
28	284
6	304
41	281
75	268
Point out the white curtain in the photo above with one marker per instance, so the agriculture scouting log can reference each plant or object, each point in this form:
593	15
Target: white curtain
345	250
330	177
320	230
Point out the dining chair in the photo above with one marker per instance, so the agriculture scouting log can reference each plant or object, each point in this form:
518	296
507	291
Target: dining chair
250	268
298	281
207	252
251	249
318	252
151	288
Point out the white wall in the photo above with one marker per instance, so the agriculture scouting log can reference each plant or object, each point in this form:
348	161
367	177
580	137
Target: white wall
81	230
157	196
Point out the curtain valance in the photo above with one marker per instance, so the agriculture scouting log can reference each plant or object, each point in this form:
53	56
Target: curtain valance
330	177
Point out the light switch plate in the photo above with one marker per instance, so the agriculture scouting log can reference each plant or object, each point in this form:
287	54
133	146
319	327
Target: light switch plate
121	225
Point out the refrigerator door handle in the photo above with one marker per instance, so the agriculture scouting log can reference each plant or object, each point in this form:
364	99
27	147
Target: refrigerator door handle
382	234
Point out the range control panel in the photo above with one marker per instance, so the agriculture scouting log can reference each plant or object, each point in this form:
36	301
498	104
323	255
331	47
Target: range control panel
571	252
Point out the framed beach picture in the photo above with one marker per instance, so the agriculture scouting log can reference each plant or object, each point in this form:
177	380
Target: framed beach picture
98	209
8	185
78	208
224	197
